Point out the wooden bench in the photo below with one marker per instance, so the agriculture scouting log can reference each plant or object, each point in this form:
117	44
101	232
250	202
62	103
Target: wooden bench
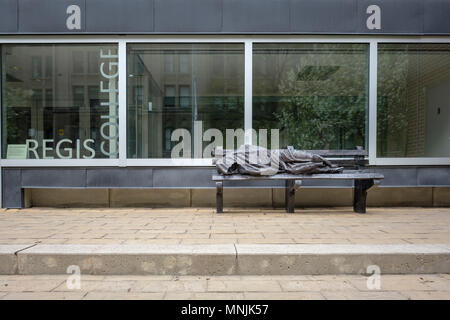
353	162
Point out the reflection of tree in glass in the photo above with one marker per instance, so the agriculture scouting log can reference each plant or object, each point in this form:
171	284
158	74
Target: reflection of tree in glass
17	102
392	102
324	99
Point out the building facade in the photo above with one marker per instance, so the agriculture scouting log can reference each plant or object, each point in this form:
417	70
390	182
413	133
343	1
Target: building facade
96	96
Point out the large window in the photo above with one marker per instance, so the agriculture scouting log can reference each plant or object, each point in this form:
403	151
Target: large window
315	93
413	109
182	86
59	101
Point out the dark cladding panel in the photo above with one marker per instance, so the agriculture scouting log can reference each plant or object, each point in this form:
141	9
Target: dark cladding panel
119	16
8	16
397	16
437	16
328	183
439	176
12	193
119	178
54	178
323	16
255	16
183	177
395	177
225	16
48	16
188	16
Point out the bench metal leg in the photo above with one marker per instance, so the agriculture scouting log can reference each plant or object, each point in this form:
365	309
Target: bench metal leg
360	195
219	197
290	196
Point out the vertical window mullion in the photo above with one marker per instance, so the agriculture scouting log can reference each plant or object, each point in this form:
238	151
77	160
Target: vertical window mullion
1	124
122	103
373	65
248	91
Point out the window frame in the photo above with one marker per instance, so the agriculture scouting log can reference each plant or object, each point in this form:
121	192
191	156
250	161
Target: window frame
49	40
247	41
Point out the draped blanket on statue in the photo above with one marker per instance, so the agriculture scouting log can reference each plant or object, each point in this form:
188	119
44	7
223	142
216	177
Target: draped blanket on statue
259	161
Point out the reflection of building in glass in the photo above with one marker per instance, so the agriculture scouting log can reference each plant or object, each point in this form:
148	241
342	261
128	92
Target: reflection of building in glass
316	94
173	85
413	100
52	92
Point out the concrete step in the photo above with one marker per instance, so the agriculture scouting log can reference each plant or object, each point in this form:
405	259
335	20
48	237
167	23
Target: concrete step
232	259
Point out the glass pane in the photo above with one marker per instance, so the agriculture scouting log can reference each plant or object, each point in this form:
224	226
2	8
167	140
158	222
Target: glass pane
59	101
185	92
180	88
315	94
413	108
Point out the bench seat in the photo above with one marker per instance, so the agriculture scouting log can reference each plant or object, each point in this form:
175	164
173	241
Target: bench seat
363	179
346	175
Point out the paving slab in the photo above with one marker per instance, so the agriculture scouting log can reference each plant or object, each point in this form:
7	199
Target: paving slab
123	296
284	296
35	285
356	295
204	226
334	287
204	296
44	296
426	295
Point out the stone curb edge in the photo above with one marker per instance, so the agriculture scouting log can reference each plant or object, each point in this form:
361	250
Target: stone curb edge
232	259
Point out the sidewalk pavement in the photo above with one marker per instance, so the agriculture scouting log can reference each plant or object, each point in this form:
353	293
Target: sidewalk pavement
238	226
190	226
392	287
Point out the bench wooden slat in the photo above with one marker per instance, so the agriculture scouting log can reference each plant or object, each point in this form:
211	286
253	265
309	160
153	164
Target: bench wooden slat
339	153
341	162
321	176
332	153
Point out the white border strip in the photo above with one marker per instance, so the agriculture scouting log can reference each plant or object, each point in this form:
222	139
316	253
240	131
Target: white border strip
248	92
373	65
72	38
60	163
122	103
411	161
169	162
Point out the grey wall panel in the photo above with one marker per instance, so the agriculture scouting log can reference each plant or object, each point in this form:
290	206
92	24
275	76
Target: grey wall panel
225	16
398	176
12	193
439	176
281	184
14	179
188	16
48	15
119	178
256	16
119	16
397	16
183	177
53	177
8	16
436	16
323	16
